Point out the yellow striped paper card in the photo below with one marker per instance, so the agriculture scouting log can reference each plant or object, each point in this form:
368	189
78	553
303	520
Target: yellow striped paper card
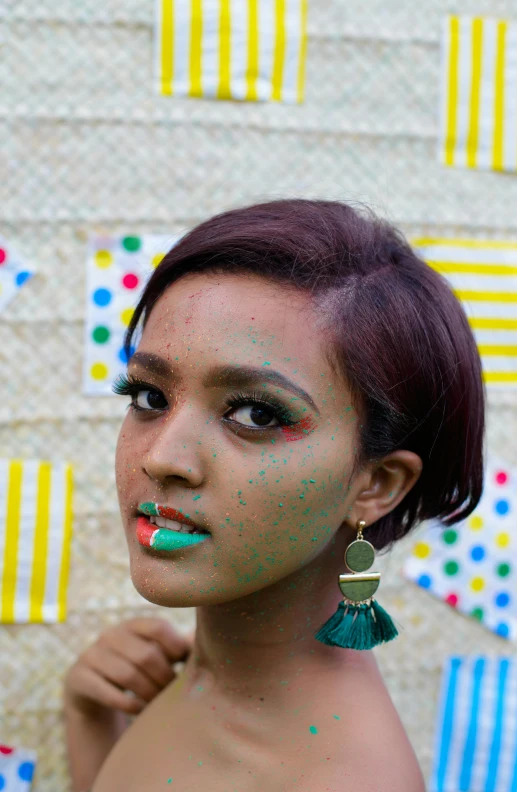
250	50
483	275
35	536
479	93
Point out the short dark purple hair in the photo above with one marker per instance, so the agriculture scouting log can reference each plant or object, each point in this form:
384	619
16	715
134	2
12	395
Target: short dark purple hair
399	336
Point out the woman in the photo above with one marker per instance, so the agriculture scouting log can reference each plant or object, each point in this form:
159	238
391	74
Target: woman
302	378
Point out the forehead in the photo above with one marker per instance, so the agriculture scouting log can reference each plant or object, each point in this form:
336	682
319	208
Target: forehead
207	320
236	313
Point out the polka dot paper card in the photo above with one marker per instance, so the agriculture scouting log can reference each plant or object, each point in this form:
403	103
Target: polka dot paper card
16	769
13	272
117	271
472	565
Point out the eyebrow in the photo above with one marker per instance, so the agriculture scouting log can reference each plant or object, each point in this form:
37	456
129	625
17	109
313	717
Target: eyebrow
238	376
233	376
154	363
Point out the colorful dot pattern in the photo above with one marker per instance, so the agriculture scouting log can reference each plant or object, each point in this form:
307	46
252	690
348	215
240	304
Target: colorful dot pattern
17	766
14	272
117	270
470	565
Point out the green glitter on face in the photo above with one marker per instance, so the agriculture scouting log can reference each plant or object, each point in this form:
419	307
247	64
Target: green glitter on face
196	497
313	729
336	717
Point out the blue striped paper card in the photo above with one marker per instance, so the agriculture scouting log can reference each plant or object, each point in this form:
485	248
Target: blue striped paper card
476	736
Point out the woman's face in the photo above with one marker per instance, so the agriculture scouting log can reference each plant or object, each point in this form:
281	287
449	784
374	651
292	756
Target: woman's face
238	421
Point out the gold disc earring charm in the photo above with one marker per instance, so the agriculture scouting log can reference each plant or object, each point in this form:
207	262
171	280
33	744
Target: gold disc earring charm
360	554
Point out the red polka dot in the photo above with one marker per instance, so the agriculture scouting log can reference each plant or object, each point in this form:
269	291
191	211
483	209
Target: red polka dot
452	599
4	749
501	477
130	281
3	255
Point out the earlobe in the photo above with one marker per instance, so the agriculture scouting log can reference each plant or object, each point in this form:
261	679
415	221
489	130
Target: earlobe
390	481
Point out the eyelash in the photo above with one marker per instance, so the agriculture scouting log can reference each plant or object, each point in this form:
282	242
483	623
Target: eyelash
127	385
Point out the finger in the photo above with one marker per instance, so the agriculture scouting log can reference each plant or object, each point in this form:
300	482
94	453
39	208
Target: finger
147	655
176	646
120	671
98	690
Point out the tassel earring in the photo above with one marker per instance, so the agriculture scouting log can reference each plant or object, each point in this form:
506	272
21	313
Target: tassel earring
359	622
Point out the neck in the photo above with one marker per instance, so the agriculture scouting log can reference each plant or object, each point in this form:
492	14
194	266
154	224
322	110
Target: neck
247	645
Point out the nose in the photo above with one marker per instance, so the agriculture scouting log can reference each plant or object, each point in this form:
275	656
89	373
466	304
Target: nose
176	451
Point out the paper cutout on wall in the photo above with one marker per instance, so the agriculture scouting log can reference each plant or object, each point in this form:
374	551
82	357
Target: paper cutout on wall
479	93
13	272
476	728
232	49
35	536
117	270
16	769
472	565
483	275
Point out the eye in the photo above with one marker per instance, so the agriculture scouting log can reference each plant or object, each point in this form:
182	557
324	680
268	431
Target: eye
149	400
255	415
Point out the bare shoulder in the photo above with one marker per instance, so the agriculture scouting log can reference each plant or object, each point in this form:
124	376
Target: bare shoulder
379	755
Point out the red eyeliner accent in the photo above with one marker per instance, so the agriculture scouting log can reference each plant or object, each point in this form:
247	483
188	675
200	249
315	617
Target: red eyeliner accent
298	430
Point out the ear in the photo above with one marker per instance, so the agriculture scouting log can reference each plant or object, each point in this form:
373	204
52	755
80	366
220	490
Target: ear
384	485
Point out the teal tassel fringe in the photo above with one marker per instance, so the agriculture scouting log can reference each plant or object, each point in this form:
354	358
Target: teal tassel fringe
361	626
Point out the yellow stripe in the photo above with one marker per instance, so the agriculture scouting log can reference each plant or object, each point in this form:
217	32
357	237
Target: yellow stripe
479	323
167	46
452	94
500	376
468	243
14	504
486	296
41	529
279	53
498	161
224	90
67	541
507	350
475	92
253	65
300	79
464	268
196	43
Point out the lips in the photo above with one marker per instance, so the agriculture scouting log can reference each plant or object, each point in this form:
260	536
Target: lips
150	536
168	513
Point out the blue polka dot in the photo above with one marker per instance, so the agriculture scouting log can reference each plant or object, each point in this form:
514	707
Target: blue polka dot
502	599
2	781
102	297
21	277
26	771
502	630
477	553
122	354
424	581
502	507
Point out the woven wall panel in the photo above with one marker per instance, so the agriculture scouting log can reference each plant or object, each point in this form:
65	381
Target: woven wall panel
88	146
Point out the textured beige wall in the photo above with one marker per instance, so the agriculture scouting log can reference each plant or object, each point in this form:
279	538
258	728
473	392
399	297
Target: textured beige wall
90	147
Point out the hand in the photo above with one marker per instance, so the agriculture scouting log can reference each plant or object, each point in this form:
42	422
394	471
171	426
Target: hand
126	667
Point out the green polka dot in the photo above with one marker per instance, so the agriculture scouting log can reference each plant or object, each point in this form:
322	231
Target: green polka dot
477	613
451	568
450	537
503	570
132	243
101	334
